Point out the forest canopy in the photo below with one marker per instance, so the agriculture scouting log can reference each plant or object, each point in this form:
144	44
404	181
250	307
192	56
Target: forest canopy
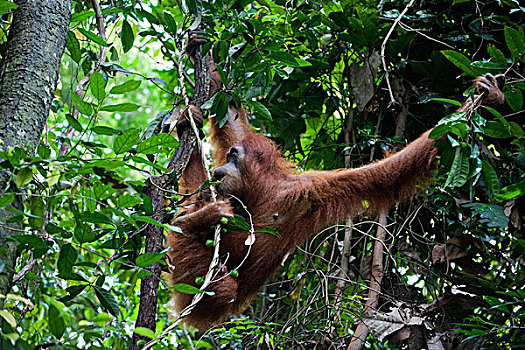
336	84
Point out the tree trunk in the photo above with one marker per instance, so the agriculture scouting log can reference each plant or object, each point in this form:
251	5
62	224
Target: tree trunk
28	78
154	235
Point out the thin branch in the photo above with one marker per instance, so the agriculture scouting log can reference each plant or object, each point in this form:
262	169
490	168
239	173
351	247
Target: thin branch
383	48
361	332
101	27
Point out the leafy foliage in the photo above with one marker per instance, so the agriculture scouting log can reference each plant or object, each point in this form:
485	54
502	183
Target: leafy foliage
306	72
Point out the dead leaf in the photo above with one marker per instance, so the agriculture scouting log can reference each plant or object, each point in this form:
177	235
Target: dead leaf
362	74
386	324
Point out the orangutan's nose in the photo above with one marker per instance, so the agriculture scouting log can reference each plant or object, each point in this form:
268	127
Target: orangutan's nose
218	174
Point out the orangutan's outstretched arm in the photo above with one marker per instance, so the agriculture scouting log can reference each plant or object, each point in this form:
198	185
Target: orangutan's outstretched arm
374	187
380	185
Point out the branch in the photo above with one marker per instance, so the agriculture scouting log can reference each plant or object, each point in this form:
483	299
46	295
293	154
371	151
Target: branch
383	47
101	27
154	189
361	332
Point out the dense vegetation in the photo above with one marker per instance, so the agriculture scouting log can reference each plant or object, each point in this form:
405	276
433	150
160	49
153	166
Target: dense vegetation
335	84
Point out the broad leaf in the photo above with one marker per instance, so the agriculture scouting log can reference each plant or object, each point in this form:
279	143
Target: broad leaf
66	260
121	107
107	300
125	141
128	86
460	61
98	84
93	37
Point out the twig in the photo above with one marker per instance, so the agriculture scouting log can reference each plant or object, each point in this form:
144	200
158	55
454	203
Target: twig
101	27
383	47
417	31
341	282
361	332
189	139
24	271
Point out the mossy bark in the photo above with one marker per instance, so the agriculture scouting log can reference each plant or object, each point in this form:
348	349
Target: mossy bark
28	78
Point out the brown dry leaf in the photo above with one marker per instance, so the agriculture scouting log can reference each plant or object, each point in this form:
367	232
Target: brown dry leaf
455	248
362	80
385	325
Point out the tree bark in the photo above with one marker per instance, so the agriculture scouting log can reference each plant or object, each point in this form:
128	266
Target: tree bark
154	234
28	78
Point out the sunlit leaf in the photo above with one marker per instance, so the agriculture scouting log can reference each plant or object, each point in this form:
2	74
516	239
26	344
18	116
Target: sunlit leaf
125	141
107	300
121	107
93	37
98	84
128	86
460	61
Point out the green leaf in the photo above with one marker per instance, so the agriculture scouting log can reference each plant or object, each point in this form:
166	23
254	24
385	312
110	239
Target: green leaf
211	101
72	292
460	61
447	100
44	151
146	332
36	243
128	201
82	16
491	179
7	199
494	216
194	6
171	24
512	191
499	116
239	222
261	110
104	130
125	141
488	67
128	86
121	107
186	289
73	46
66	260
98	85
283	58
23	177
514	98
75	124
458	174
269	230
83	107
93	37
7	6
496	130
97	218
83	233
156	143
107	300
516	130
439	131
497	55
127	37
37	206
148	205
57	325
515	42
8	317
148	220
221	108
148	259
